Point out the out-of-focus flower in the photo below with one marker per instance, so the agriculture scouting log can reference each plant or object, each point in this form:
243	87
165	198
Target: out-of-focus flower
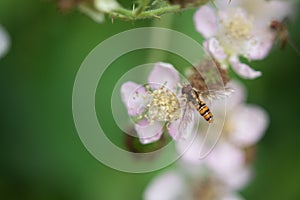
4	42
106	5
177	185
244	125
241	28
97	8
226	169
155	106
226	161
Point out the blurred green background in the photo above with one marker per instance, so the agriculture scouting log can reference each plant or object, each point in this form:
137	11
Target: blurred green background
42	156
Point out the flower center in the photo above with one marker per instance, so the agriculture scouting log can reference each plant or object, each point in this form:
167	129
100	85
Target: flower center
164	105
238	26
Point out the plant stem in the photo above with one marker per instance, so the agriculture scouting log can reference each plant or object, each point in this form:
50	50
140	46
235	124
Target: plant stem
125	14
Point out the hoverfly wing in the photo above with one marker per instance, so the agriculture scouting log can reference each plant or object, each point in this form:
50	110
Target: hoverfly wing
216	94
187	120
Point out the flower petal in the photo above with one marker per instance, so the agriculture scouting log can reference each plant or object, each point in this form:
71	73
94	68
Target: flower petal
168	186
186	126
206	22
92	13
225	159
163	73
213	46
242	69
259	46
148	132
173	129
277	10
238	96
238	179
250	123
4	41
106	5
135	98
190	151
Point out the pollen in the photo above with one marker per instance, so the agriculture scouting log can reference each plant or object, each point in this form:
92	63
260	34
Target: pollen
238	26
164	105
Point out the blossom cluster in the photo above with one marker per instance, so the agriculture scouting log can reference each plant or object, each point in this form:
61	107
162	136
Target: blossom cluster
227	168
232	31
241	28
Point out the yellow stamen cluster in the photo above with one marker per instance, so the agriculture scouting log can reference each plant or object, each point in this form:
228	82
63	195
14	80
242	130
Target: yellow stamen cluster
238	27
164	105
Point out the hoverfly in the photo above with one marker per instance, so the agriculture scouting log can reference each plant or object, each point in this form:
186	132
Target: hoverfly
282	34
193	101
193	96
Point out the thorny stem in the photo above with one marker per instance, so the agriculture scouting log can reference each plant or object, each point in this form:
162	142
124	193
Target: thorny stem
146	11
129	15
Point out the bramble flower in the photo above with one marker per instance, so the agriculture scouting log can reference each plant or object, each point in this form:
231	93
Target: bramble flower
225	161
240	28
244	125
225	170
155	106
175	185
4	41
98	8
106	5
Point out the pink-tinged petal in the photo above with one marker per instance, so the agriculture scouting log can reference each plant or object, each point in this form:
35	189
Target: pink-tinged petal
225	159
190	151
242	69
237	179
148	132
173	129
135	98
206	21
185	126
4	41
215	49
238	95
224	5
106	5
163	73
168	186
278	10
259	46
249	125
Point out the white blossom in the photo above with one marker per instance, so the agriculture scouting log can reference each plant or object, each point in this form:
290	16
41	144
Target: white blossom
240	28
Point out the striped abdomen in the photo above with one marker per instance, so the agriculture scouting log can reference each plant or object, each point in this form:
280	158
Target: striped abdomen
204	111
201	107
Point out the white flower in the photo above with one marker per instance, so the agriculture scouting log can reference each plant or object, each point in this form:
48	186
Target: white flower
177	185
92	13
225	170
168	186
241	28
4	42
244	126
157	106
106	5
101	7
226	161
